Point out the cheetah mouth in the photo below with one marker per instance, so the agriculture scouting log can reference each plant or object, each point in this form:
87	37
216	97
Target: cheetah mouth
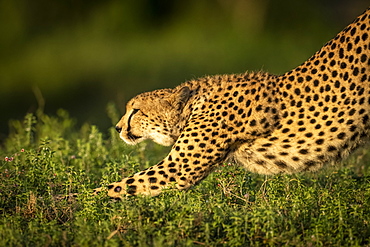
133	138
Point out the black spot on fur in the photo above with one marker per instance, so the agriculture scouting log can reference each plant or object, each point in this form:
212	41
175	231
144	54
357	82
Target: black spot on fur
117	189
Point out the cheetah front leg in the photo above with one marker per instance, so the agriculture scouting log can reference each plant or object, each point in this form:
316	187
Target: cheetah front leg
191	159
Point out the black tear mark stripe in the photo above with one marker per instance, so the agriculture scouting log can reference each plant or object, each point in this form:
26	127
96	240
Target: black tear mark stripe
134	111
129	119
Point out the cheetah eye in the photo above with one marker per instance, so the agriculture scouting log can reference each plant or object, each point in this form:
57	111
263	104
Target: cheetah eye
134	111
141	112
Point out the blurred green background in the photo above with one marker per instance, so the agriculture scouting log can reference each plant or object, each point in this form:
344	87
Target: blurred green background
79	55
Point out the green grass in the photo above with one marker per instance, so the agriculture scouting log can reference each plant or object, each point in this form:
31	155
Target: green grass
49	155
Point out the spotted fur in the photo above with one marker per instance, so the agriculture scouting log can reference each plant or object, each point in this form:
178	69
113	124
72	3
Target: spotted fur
314	114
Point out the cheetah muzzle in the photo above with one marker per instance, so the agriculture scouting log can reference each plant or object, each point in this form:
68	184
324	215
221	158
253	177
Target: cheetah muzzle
299	121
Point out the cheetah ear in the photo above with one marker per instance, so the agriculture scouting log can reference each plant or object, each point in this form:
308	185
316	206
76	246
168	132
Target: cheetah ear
180	97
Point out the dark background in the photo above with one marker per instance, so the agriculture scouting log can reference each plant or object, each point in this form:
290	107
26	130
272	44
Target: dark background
79	55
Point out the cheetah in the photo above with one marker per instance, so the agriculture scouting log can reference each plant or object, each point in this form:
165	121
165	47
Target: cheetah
312	115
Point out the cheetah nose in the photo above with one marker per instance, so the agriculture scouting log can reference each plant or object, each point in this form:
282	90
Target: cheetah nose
119	129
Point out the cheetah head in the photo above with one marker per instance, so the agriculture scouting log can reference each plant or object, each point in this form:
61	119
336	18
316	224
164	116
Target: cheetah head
156	115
